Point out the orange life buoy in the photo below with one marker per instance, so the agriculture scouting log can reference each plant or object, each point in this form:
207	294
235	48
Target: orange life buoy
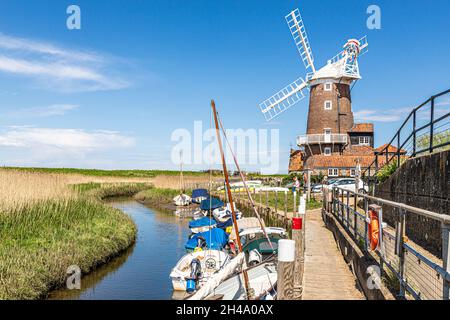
374	229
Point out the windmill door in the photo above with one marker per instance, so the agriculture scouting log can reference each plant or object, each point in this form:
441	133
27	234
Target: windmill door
327	136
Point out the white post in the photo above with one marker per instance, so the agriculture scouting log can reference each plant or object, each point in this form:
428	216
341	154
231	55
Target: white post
286	261
309	185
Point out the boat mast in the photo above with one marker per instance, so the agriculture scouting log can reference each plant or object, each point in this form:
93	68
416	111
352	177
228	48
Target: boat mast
230	197
246	188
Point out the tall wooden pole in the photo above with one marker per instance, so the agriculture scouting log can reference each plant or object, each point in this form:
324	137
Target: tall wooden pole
230	197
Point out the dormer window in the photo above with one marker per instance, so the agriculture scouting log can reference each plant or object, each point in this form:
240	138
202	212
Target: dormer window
364	141
328	86
327	151
328	105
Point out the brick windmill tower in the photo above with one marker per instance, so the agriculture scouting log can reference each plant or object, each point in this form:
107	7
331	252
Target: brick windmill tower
330	116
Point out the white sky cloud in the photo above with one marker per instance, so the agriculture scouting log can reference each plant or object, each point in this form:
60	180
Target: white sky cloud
20	44
45	111
400	114
64	139
56	67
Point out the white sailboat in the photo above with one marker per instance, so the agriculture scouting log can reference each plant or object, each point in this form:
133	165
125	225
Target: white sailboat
210	261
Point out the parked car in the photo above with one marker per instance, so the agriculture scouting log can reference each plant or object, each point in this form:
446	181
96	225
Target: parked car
315	188
349	184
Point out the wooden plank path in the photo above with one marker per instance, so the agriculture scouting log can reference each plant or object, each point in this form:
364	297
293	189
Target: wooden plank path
327	276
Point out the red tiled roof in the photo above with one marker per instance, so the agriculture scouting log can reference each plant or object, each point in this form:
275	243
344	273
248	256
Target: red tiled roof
391	149
341	161
362	127
359	150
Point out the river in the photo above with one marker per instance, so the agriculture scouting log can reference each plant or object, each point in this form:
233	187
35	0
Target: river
142	272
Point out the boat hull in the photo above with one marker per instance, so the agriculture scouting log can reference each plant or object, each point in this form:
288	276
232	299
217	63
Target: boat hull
211	261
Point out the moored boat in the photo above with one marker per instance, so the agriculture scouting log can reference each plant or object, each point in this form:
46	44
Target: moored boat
182	200
262	280
215	238
198	195
202	225
195	268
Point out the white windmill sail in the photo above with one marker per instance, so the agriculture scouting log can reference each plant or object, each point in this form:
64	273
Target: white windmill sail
283	99
298	31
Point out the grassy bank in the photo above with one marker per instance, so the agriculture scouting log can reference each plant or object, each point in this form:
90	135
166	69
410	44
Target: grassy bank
47	225
159	198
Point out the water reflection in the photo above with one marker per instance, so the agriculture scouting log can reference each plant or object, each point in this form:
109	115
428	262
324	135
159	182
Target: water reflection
142	272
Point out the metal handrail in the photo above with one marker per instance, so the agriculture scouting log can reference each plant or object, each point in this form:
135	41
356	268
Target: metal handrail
444	218
407	280
397	136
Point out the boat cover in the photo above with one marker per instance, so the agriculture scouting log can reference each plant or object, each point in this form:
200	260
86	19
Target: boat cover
225	224
200	193
215	239
211	203
202	222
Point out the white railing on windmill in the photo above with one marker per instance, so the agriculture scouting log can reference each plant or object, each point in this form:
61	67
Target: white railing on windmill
343	65
335	138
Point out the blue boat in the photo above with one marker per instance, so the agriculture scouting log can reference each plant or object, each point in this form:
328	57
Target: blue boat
214	239
198	195
211	204
202	224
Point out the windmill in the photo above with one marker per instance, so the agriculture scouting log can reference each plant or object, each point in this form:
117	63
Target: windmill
340	71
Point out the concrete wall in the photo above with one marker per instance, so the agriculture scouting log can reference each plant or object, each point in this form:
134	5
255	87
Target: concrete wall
423	182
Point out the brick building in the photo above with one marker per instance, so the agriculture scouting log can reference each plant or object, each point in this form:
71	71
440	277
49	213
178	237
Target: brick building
334	143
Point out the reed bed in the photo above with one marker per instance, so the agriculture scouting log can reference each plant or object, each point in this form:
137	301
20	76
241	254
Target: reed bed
48	223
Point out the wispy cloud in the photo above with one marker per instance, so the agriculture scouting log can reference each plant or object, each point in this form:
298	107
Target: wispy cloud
390	115
27	45
64	139
56	67
45	111
398	114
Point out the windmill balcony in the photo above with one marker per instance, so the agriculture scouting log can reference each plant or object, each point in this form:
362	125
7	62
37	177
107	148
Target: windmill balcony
321	139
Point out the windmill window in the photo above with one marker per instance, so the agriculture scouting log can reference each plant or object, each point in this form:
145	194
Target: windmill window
364	141
328	86
327	151
328	105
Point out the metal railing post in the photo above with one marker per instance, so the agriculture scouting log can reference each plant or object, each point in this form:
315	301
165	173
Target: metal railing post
402	232
398	149
366	226
446	259
431	124
355	216
348	210
276	202
414	133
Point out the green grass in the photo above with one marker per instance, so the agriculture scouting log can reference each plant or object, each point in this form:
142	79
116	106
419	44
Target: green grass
40	240
273	199
158	196
108	173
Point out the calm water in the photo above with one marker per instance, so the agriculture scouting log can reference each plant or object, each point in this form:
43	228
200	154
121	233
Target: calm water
142	272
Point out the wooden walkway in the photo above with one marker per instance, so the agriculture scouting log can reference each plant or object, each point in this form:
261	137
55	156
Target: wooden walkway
326	275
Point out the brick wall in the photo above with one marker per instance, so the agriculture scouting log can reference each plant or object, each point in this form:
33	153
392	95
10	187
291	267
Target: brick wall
319	118
423	182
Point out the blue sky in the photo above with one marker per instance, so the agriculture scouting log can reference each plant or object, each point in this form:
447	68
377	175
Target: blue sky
111	94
